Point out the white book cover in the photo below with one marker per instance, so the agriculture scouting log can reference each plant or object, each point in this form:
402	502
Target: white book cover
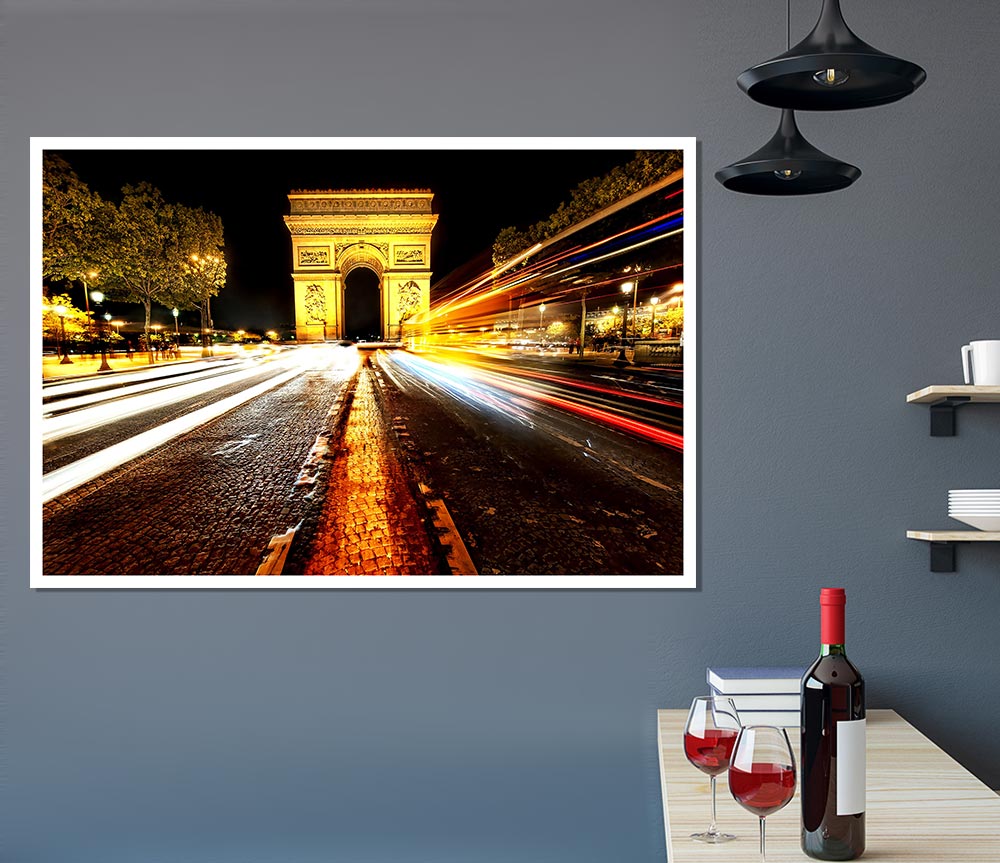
764	702
756	680
781	718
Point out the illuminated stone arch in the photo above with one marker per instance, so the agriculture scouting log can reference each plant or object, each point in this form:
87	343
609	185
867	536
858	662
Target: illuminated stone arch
336	232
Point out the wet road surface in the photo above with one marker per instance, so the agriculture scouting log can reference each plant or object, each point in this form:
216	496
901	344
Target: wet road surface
371	523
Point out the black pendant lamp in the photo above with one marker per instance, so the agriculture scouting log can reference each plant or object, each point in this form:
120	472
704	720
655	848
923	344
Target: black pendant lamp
831	70
787	165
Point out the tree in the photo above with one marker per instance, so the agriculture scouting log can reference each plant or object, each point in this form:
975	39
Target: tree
589	197
201	266
69	209
137	248
73	321
556	330
674	318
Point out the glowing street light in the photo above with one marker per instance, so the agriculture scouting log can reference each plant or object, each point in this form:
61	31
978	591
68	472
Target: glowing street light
92	275
541	316
652	307
627	288
636	270
61	311
177	332
98	298
107	323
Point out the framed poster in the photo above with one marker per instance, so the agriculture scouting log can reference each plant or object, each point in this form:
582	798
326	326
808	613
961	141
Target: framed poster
254	365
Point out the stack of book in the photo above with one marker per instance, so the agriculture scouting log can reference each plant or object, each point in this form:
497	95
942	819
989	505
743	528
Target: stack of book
763	696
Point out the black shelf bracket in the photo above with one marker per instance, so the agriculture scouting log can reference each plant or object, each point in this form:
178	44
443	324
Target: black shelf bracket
943	421
942	556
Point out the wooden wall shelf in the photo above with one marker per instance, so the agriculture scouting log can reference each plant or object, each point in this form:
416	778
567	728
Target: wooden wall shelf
943	401
943	544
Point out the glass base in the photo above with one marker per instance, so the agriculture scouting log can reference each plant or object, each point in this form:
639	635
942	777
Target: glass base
710	838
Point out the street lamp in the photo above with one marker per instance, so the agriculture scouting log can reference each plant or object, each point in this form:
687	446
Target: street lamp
541	316
652	307
627	289
156	327
177	332
92	275
61	311
98	298
636	270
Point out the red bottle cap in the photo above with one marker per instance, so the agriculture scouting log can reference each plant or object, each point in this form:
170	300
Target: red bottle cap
831	618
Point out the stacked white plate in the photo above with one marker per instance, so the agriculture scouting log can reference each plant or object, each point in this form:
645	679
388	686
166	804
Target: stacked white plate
976	507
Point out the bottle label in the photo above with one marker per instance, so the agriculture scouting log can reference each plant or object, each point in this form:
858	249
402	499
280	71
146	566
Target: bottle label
851	767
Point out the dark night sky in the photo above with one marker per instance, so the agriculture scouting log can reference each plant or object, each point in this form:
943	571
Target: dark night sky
477	193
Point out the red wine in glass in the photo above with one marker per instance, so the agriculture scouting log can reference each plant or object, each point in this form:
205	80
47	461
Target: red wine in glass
762	772
711	751
764	788
709	737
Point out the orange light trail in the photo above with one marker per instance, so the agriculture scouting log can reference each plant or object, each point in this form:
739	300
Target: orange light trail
469	294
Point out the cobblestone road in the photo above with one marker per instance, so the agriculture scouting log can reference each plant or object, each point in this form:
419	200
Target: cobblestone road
206	503
370	523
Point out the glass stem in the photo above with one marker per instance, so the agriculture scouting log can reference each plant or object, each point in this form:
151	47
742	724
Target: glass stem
711	827
762	859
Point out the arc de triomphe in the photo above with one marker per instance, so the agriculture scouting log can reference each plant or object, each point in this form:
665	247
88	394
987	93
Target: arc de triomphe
336	232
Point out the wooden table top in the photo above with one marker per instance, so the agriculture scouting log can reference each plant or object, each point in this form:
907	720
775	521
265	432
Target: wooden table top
922	805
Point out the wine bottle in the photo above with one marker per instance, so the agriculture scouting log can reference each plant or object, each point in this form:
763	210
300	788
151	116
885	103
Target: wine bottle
833	743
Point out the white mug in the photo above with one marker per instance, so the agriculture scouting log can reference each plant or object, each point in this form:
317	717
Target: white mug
985	357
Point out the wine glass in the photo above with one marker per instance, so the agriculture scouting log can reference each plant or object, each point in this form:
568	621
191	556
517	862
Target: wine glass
762	772
709	737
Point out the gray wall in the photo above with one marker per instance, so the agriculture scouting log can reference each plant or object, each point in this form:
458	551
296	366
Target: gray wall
495	726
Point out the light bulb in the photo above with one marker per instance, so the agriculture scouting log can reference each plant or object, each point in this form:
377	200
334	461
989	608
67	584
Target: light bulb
831	77
787	174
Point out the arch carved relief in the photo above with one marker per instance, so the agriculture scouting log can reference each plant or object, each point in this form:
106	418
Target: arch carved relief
315	304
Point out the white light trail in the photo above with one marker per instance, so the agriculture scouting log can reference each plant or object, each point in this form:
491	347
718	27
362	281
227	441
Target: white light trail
90	384
127	388
126	405
67	478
